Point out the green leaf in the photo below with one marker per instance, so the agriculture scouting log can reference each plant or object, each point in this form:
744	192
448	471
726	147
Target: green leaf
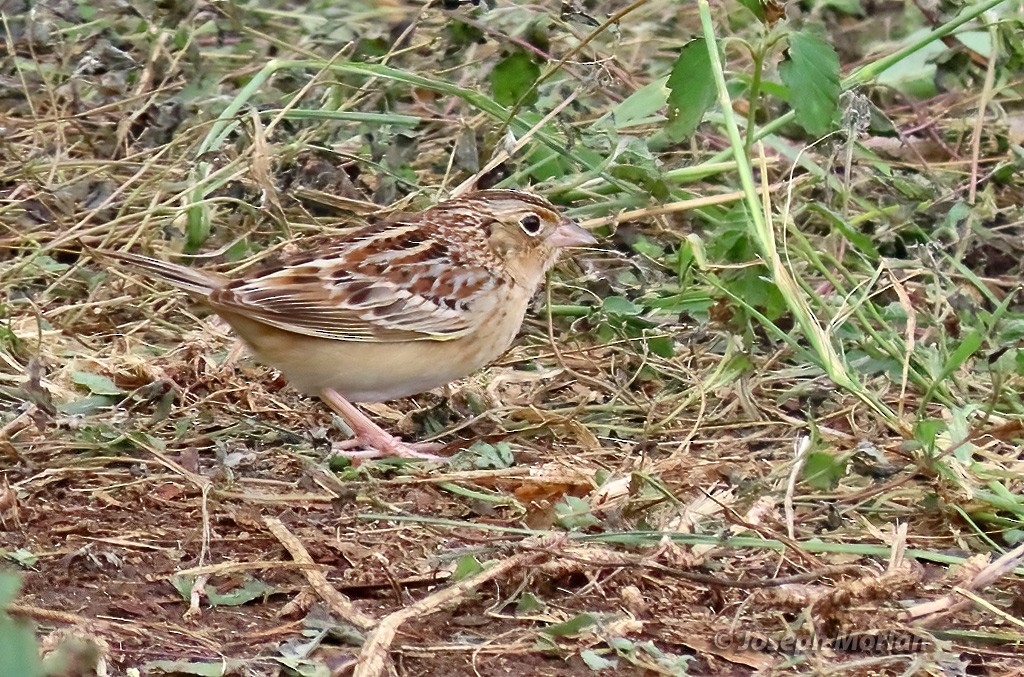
914	74
546	163
18	652
811	72
573	626
466	566
513	77
639	107
596	661
461	34
662	346
339	463
1013	537
622	645
926	431
822	471
756	290
97	384
574	513
88	405
528	603
252	589
48	264
648	248
756	7
183	584
9	586
968	346
23	558
619	305
484	456
691	89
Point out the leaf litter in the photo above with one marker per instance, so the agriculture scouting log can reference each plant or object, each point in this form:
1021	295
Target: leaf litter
168	502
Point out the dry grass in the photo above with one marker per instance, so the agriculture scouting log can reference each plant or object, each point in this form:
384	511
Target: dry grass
170	500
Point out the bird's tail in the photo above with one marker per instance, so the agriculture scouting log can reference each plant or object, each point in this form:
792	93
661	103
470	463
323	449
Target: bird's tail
182	277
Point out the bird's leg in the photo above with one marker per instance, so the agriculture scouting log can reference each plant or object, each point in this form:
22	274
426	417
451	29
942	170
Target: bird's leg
378	442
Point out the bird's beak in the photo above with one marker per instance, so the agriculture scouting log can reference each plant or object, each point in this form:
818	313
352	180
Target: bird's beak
569	234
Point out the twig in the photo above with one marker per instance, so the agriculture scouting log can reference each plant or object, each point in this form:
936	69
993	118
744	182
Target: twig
802	446
338	602
955	600
374	658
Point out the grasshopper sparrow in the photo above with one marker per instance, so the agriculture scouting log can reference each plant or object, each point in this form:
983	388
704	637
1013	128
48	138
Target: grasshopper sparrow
394	308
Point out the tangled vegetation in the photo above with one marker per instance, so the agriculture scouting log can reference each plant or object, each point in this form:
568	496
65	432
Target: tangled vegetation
772	423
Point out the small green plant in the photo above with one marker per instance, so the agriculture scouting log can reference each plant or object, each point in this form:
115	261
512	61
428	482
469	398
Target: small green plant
19	654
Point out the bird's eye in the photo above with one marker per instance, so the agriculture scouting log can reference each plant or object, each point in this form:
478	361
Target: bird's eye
530	224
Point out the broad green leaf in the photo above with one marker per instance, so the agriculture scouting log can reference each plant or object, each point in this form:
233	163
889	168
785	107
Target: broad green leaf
573	626
914	74
96	383
619	305
1013	536
9	586
596	661
19	654
49	265
339	463
823	471
640	106
662	346
528	603
466	566
252	589
88	405
756	7
926	431
574	513
648	247
22	557
976	41
183	584
811	72
691	89
461	34
622	644
484	456
756	290
546	164
513	77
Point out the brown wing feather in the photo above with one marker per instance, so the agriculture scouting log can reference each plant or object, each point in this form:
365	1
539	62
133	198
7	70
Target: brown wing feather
398	283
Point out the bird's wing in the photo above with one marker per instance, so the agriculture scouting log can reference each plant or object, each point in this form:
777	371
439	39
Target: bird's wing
389	286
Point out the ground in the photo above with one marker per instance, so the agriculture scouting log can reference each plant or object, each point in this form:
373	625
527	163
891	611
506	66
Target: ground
717	447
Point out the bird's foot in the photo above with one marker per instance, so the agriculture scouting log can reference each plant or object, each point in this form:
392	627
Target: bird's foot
390	447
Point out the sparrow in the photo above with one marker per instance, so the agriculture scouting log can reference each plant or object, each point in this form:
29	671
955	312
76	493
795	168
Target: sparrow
393	308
